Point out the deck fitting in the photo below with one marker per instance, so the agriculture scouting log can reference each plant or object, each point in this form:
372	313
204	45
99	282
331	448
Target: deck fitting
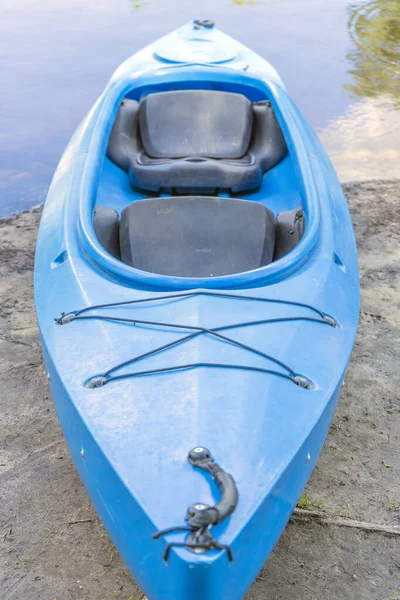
65	318
302	382
203	24
96	382
330	320
199	455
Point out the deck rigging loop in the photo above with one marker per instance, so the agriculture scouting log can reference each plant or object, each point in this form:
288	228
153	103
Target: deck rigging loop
287	373
200	518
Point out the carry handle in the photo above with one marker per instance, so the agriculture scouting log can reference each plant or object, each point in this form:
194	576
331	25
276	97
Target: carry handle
202	515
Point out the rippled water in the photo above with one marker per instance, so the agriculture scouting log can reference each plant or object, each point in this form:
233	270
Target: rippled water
374	59
340	62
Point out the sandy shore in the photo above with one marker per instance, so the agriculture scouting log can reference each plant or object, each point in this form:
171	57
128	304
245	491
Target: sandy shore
53	546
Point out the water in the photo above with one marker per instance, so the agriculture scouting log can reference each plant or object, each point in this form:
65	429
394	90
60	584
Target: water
340	63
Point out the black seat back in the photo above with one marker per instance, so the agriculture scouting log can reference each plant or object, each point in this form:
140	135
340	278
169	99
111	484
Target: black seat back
193	123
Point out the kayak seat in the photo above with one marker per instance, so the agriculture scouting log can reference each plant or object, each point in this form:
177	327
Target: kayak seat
196	141
196	236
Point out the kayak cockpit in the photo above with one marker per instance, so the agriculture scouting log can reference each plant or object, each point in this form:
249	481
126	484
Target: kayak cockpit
196	204
197	236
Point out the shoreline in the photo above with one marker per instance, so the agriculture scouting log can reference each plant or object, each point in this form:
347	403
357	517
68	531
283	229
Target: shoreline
341	544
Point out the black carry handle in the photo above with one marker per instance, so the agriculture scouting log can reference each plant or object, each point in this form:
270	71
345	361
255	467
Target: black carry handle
201	515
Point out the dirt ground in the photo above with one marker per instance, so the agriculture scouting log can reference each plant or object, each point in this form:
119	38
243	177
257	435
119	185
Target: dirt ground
53	546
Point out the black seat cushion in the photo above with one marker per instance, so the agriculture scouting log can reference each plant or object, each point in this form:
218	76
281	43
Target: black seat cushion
195	123
229	142
196	236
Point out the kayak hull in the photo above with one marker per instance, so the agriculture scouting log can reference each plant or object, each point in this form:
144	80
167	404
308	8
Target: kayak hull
290	322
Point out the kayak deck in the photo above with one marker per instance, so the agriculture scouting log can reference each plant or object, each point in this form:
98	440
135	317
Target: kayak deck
263	426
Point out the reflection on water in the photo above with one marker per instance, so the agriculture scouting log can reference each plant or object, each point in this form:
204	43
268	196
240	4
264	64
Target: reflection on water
375	60
365	142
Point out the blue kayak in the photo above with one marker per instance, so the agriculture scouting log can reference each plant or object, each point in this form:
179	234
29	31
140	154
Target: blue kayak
197	292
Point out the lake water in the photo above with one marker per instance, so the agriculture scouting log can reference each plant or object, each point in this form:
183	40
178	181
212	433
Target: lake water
339	61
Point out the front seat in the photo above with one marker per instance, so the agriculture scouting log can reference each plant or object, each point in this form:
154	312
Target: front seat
196	141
